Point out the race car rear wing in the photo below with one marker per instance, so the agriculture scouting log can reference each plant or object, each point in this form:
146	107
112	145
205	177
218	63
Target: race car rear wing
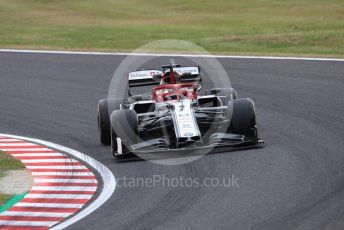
153	77
186	73
144	78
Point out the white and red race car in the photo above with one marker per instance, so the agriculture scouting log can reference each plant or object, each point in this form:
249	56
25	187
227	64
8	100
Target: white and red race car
176	117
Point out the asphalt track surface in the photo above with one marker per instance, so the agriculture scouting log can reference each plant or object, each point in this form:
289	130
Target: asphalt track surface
295	182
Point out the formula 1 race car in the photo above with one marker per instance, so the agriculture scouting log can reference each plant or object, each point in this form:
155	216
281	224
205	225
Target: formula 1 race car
175	116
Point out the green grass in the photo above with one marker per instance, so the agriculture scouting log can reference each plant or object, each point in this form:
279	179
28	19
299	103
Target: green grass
7	162
278	27
3	198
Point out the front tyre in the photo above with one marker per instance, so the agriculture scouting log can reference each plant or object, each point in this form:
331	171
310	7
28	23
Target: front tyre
103	121
124	132
243	120
105	106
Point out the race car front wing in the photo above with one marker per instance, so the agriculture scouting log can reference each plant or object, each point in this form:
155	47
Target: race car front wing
216	140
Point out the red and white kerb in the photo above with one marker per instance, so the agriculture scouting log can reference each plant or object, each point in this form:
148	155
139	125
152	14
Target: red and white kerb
61	186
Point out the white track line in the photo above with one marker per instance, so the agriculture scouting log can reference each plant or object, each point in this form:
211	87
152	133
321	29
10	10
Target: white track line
56	167
62	174
9	150
59	196
48	160
9	140
167	55
58	180
49	205
27	223
43	214
104	172
37	155
63	188
16	144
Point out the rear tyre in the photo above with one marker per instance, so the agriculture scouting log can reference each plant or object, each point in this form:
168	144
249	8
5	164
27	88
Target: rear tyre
243	120
103	118
124	132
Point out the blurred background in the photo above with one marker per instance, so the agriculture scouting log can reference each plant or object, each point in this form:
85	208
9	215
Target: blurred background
264	27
